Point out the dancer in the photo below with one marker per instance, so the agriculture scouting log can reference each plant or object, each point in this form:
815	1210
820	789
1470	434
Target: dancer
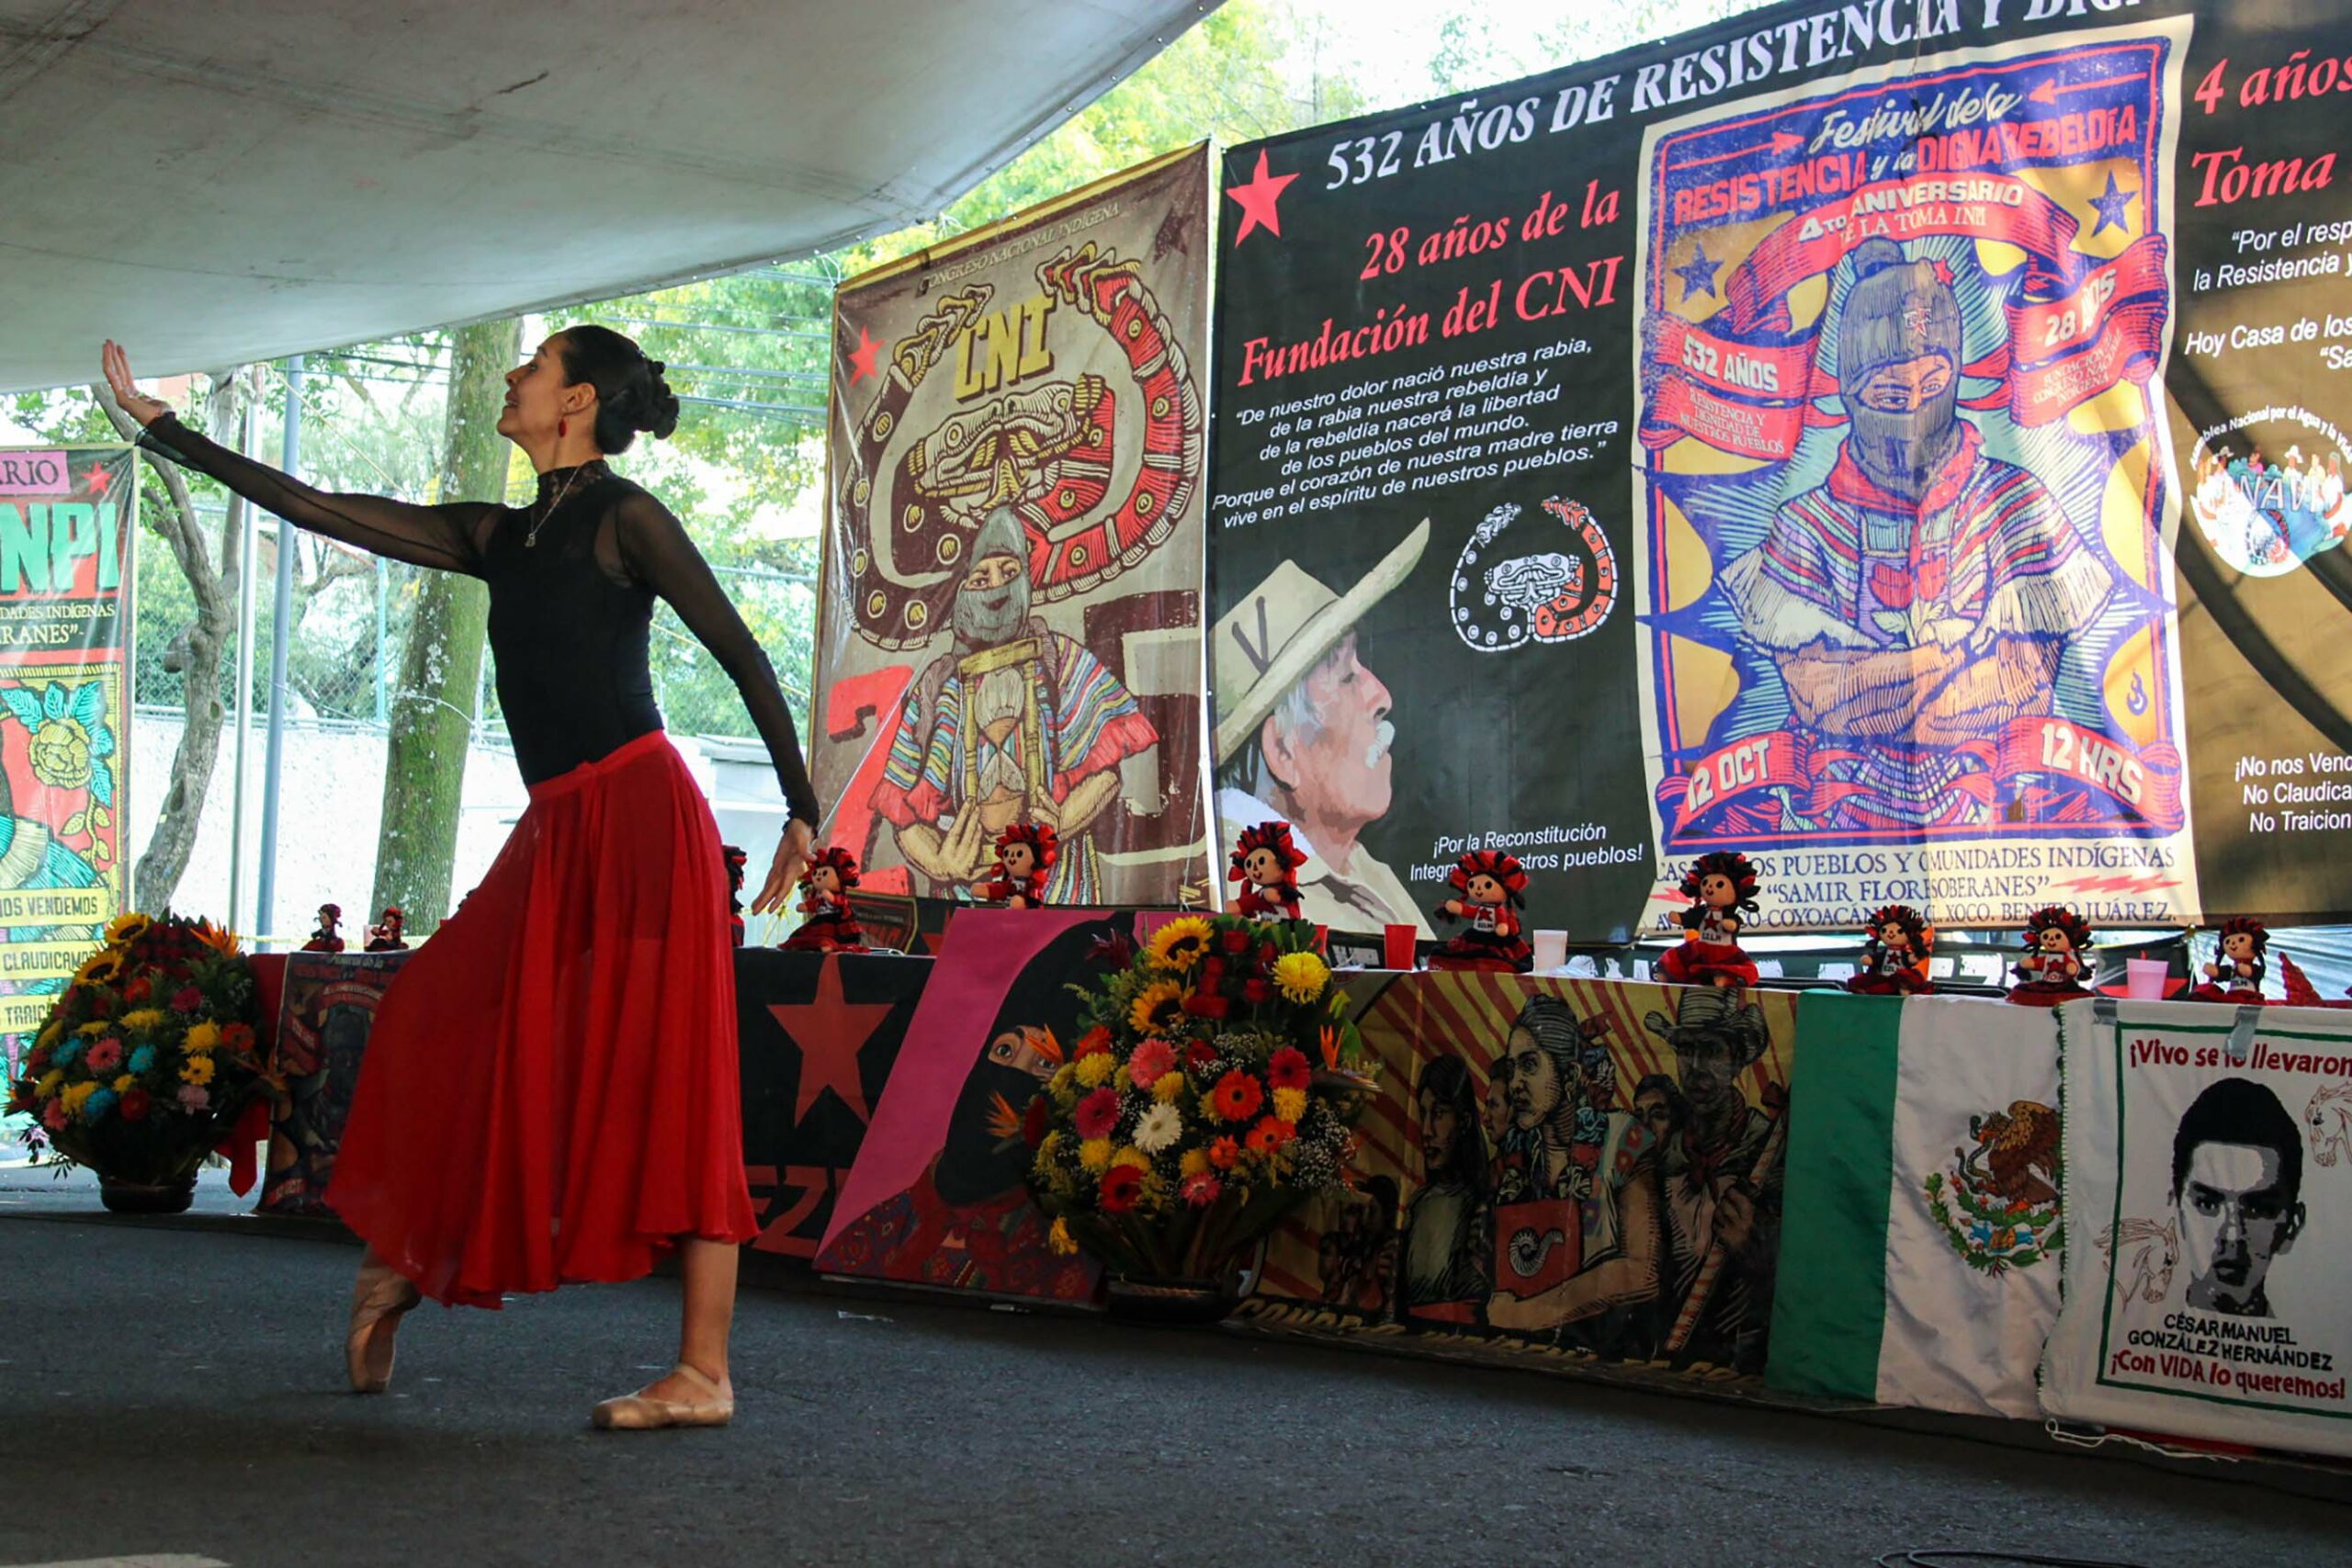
549	1093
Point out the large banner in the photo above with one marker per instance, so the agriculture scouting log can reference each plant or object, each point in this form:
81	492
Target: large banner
1011	612
2209	1176
65	620
1779	441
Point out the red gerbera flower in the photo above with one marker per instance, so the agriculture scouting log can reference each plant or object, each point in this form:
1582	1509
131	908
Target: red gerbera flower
1237	1097
1121	1185
1096	1040
1200	1189
187	998
1289	1069
135	1104
1269	1134
1225	1154
1098	1113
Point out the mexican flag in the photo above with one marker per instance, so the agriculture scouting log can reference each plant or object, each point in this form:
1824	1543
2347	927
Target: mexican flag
1919	1248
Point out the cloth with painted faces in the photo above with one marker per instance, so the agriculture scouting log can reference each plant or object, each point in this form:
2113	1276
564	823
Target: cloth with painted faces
2237	1172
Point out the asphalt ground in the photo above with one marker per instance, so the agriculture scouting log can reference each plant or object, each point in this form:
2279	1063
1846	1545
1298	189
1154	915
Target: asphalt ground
173	1389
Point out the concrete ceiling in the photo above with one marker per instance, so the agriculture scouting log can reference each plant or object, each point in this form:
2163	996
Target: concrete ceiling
216	181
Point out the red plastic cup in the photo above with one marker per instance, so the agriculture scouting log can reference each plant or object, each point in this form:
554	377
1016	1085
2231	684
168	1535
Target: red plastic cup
1323	939
1397	947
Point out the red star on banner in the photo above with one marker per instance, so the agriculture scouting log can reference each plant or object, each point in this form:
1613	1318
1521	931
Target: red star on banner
831	1032
99	478
862	356
1258	198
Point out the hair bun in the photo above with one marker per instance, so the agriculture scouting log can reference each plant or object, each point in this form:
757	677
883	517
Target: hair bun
660	415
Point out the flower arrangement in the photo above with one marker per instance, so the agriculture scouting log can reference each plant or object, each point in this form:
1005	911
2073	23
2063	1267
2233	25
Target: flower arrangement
148	1055
1215	1087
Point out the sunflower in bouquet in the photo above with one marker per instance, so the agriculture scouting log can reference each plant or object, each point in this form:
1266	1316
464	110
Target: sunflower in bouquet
148	1055
1215	1089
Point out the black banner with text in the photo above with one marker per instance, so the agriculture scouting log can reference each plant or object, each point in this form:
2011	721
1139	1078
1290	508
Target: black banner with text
1897	442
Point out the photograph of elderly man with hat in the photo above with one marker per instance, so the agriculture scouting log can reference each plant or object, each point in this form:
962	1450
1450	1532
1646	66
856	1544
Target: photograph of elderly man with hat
1304	736
1015	723
1924	594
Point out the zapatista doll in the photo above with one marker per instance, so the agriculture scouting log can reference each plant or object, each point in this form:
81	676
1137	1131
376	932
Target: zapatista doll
385	937
1024	856
824	899
2054	968
1488	891
2237	974
1896	954
1266	864
1720	886
328	938
738	862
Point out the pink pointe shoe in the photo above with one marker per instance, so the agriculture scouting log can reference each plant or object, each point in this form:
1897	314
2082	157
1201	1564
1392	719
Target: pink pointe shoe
641	1412
377	1301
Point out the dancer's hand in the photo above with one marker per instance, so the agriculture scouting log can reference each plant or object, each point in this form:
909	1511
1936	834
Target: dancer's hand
141	408
791	859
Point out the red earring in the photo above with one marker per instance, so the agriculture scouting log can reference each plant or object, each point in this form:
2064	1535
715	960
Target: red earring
561	425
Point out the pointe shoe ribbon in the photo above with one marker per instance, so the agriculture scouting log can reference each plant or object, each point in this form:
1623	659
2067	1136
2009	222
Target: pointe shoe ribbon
378	1299
640	1412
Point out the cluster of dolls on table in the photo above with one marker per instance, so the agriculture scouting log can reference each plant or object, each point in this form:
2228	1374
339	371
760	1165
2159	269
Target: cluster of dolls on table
384	936
1025	854
1487	897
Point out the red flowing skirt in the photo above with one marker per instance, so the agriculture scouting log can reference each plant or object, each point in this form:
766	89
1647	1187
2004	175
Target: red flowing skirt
550	1090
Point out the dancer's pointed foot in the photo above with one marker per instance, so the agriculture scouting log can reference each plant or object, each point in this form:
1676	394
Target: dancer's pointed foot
378	1299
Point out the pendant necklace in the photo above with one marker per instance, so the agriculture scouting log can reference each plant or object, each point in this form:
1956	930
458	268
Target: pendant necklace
531	538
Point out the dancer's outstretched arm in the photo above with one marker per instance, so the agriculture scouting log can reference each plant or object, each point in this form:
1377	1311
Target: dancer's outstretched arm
448	537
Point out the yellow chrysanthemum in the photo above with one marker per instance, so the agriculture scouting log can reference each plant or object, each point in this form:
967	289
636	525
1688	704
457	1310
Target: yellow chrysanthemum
196	1069
1290	1104
1048	1147
125	1083
146	1018
1180	945
1133	1157
93	1029
124	929
78	1095
1094	1155
1064	1076
1301	975
1194	1162
1158	1010
1058	1238
1170	1086
49	1036
49	1081
206	1036
1095	1071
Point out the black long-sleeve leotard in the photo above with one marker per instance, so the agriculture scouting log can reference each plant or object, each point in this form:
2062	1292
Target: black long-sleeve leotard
570	615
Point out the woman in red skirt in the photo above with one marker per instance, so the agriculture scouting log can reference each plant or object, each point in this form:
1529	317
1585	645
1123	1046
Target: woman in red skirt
550	1090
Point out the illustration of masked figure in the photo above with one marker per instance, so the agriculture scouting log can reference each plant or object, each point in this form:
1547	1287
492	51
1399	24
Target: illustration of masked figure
1014	723
1921	596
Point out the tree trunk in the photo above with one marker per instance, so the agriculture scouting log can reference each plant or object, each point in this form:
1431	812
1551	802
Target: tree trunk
432	708
214	589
